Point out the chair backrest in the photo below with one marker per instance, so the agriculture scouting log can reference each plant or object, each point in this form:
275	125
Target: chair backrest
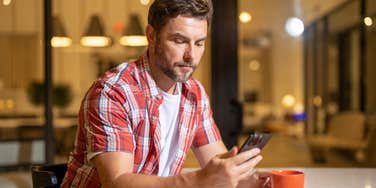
48	175
347	125
30	132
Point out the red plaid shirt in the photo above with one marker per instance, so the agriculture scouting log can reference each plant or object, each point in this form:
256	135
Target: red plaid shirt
120	113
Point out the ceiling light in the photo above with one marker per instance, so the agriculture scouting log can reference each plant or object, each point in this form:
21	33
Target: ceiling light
144	2
288	101
298	108
133	41
133	34
368	21
59	36
95	41
95	34
10	104
254	65
7	2
294	27
245	17
59	42
317	101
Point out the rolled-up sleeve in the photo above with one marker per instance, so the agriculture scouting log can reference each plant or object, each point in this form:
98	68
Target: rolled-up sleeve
106	122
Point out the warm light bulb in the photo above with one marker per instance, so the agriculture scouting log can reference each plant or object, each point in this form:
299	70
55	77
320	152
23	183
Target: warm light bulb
288	101
368	21
145	2
245	17
7	2
299	108
254	65
317	101
95	41
294	27
59	42
10	104
134	40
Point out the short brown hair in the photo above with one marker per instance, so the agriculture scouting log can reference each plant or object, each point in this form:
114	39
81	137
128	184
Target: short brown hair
162	10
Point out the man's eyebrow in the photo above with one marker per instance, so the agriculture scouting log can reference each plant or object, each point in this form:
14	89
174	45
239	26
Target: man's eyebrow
186	38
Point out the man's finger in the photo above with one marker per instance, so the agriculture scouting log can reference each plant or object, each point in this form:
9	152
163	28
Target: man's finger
245	156
265	178
249	165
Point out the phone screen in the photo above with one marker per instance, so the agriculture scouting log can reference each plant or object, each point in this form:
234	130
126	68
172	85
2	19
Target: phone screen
255	140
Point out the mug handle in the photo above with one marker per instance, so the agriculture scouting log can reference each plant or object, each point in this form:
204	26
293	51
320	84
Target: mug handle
265	176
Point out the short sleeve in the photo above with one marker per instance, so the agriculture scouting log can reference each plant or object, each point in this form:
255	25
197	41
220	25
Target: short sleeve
207	131
106	122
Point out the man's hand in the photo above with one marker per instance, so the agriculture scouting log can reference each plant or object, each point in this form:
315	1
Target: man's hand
228	169
257	180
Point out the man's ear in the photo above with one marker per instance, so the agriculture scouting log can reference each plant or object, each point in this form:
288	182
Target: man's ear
151	35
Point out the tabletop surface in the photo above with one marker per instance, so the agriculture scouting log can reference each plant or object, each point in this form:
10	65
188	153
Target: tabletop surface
337	177
333	177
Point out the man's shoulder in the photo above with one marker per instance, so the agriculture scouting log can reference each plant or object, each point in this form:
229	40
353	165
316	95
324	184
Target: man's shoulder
119	78
124	73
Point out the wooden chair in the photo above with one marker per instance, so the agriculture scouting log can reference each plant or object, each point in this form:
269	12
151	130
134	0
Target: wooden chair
44	176
27	134
346	130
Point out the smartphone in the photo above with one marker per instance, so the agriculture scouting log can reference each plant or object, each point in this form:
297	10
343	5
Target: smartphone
256	140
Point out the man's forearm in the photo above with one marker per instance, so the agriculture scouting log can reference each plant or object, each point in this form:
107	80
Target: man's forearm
130	180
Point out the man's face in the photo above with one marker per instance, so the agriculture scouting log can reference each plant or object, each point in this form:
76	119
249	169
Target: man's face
179	47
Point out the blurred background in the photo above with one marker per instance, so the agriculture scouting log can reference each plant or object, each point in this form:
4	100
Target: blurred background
301	69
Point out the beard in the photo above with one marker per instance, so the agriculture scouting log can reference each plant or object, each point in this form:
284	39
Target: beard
172	71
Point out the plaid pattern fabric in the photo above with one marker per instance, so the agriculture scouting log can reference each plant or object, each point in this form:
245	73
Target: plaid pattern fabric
120	114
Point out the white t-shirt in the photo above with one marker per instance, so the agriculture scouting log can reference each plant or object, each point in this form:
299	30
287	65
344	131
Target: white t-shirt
168	119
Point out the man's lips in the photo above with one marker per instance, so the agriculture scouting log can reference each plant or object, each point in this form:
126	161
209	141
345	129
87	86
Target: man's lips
188	66
184	66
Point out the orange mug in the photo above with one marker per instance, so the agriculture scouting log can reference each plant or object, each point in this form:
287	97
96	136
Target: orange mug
287	179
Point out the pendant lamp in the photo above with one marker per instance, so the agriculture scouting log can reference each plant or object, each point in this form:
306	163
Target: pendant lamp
133	34
59	36
95	34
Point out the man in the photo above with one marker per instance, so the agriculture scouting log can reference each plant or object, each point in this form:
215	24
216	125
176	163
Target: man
137	122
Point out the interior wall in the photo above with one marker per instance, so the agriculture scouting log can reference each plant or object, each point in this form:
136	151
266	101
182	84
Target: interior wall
21	56
287	70
370	59
371	67
311	10
77	65
286	52
25	16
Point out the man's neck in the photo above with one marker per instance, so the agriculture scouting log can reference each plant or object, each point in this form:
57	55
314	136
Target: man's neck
162	80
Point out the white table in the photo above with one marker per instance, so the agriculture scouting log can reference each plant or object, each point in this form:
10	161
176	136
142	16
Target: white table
334	177
338	177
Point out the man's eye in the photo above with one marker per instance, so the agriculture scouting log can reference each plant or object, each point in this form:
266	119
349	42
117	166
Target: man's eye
200	44
179	41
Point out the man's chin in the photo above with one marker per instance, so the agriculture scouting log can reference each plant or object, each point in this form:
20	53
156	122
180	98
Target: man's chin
182	78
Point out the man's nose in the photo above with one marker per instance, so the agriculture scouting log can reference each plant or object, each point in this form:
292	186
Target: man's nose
189	53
